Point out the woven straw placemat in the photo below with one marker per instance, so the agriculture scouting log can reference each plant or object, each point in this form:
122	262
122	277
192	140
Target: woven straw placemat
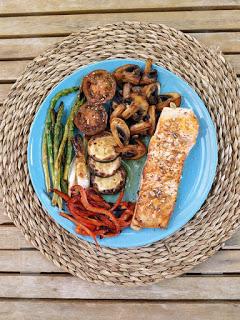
214	81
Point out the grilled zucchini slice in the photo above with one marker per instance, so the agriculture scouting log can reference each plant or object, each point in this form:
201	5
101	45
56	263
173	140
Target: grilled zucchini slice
102	147
104	169
110	185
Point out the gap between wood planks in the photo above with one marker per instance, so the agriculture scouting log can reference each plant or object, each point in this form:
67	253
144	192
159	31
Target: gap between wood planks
44	7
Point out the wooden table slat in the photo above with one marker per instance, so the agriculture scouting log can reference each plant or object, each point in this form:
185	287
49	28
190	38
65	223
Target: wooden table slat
108	310
67	6
64	24
68	287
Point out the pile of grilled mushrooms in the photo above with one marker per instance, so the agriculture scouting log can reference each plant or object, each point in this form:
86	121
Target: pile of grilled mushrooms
134	101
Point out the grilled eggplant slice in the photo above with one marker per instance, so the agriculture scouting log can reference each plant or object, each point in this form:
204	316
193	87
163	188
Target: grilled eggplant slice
104	169
110	185
102	147
99	86
91	119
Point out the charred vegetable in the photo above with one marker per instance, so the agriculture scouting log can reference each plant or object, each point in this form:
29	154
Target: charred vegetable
91	119
140	128
110	185
128	73
120	131
79	173
137	109
126	90
165	99
104	169
102	147
117	112
151	91
152	119
99	86
133	151
149	75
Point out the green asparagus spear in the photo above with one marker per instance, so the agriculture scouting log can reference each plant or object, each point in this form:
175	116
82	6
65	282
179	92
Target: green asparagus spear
45	162
69	152
58	161
57	129
47	144
53	119
60	94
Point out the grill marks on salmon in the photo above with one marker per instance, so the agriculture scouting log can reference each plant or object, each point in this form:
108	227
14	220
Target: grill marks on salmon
175	135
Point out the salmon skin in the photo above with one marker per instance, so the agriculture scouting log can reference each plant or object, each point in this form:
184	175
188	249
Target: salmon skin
175	135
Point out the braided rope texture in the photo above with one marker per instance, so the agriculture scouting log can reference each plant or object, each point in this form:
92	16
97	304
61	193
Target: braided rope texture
215	82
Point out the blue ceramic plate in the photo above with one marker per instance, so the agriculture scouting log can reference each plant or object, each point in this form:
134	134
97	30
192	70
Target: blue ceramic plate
199	168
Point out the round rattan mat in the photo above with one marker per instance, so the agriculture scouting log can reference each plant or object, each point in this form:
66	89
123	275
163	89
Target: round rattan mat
215	82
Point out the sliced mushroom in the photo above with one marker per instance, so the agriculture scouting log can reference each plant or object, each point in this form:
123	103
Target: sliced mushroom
117	112
137	89
128	73
148	66
152	119
149	75
142	104
166	98
120	131
140	128
99	86
137	109
151	91
127	90
129	111
133	151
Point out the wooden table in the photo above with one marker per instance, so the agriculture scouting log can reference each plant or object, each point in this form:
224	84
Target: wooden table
31	287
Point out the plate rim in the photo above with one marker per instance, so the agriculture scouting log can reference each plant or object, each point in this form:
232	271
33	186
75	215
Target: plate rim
204	194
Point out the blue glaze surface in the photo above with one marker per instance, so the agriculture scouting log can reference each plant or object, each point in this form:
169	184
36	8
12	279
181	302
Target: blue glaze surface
199	169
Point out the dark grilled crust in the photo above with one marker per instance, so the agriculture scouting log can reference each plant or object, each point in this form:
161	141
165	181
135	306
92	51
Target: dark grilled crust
100	173
109	158
114	190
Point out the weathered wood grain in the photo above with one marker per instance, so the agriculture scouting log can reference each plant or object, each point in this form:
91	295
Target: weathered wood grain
26	48
10	70
4	90
65	24
70	6
68	287
27	261
119	310
12	238
3	217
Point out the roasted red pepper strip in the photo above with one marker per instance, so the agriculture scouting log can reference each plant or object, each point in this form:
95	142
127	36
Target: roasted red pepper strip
91	208
82	219
79	225
61	194
117	203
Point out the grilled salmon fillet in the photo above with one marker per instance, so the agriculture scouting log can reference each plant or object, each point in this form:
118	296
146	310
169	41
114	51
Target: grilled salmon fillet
175	135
